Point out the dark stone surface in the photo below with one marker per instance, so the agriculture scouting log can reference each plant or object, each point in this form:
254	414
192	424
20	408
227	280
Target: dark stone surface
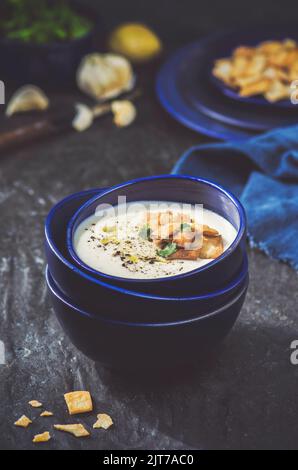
246	397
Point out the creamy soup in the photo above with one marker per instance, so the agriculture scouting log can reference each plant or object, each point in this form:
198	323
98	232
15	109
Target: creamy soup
152	239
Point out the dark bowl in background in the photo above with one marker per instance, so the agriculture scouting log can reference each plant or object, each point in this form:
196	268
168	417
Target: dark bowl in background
181	189
97	296
142	346
53	64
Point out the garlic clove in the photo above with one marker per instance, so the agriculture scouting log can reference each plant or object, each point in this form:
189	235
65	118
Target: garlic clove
83	119
27	98
124	112
105	76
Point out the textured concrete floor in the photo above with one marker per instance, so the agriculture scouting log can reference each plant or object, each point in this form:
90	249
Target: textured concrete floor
244	398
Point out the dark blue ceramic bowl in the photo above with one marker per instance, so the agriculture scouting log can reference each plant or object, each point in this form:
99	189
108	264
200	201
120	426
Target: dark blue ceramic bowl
97	296
223	46
181	189
131	345
53	64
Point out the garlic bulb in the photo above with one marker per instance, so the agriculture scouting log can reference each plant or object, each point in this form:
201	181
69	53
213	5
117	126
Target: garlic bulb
27	98
105	76
124	112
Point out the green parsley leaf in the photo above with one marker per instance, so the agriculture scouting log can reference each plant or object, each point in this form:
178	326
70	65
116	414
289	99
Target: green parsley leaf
185	227
168	250
145	232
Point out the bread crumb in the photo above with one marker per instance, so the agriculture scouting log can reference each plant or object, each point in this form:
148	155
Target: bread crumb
78	402
44	437
35	403
103	421
76	430
23	422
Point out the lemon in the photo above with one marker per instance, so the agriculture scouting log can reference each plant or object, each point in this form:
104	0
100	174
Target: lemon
135	41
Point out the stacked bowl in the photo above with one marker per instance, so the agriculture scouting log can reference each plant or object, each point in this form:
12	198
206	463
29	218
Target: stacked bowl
131	323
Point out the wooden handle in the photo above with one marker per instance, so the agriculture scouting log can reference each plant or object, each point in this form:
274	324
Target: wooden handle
47	127
26	134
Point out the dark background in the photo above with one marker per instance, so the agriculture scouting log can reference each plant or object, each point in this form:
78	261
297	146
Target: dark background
179	21
246	397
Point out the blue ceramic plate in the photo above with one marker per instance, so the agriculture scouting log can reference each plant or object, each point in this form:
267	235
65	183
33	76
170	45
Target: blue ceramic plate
172	98
257	100
226	45
206	98
186	91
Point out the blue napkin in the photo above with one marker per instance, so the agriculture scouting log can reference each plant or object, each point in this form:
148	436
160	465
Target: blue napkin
263	173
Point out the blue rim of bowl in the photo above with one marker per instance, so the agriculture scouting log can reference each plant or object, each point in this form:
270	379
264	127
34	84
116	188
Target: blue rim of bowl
188	274
56	292
76	269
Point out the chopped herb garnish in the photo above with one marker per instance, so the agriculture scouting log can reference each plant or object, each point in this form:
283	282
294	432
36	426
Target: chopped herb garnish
168	250
133	259
109	229
107	240
42	21
185	227
145	232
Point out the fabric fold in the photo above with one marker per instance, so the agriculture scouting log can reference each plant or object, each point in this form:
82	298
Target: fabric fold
263	173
